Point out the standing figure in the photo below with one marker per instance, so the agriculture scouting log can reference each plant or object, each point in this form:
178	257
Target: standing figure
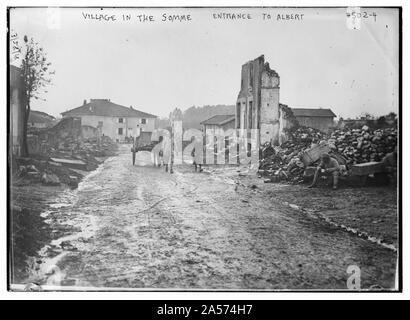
389	164
160	158
327	166
194	156
166	148
133	150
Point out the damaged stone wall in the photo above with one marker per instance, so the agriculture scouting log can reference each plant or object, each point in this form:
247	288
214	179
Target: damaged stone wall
248	101
269	121
287	121
68	129
89	132
257	104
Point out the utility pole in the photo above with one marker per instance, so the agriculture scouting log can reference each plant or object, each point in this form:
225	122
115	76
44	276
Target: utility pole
171	166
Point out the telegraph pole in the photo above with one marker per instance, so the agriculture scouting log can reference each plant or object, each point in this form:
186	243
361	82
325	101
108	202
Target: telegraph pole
176	132
171	166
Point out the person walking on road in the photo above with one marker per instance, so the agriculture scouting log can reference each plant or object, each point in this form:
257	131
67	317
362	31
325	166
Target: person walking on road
389	165
133	150
194	156
160	158
166	155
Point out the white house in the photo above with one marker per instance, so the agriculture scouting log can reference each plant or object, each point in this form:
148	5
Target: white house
114	120
218	124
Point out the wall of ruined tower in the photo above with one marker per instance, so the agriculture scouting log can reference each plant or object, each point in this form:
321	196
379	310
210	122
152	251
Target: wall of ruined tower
257	105
269	108
249	94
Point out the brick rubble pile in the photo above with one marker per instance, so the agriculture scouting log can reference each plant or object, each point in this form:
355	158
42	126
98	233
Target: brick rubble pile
352	146
40	168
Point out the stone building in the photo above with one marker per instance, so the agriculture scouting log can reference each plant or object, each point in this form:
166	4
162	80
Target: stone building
115	121
257	105
217	131
318	118
219	124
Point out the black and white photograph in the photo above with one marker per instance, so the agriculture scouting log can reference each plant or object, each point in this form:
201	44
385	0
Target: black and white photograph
243	149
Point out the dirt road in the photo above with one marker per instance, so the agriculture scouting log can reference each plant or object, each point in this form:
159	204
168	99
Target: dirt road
140	227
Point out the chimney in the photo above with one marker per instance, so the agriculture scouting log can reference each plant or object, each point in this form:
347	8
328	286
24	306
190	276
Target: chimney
84	102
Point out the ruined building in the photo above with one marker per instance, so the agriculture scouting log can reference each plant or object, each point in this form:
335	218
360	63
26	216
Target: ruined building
257	106
318	118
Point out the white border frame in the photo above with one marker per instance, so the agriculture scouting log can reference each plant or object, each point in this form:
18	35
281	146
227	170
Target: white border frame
5	295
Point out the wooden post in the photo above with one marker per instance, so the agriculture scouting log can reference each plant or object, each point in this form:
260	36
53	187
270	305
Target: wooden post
171	168
134	147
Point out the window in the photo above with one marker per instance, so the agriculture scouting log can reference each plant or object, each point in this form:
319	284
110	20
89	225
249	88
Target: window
245	116
238	114
100	124
120	120
143	121
120	131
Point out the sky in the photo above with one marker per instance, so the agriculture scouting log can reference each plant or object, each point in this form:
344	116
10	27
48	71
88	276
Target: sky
161	65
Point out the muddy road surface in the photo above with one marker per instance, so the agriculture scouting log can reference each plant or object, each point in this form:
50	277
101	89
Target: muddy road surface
139	227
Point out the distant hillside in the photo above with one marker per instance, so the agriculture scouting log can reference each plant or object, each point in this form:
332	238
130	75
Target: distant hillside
163	123
192	117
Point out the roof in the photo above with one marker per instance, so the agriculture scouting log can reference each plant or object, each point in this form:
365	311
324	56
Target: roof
317	112
219	119
40	117
104	107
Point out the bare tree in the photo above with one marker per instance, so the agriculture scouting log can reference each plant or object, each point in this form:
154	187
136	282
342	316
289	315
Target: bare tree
36	77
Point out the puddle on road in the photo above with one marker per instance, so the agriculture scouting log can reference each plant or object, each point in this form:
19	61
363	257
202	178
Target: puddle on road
44	269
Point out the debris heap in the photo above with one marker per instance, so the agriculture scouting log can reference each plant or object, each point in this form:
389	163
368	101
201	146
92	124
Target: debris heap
66	161
284	162
363	145
352	146
86	150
